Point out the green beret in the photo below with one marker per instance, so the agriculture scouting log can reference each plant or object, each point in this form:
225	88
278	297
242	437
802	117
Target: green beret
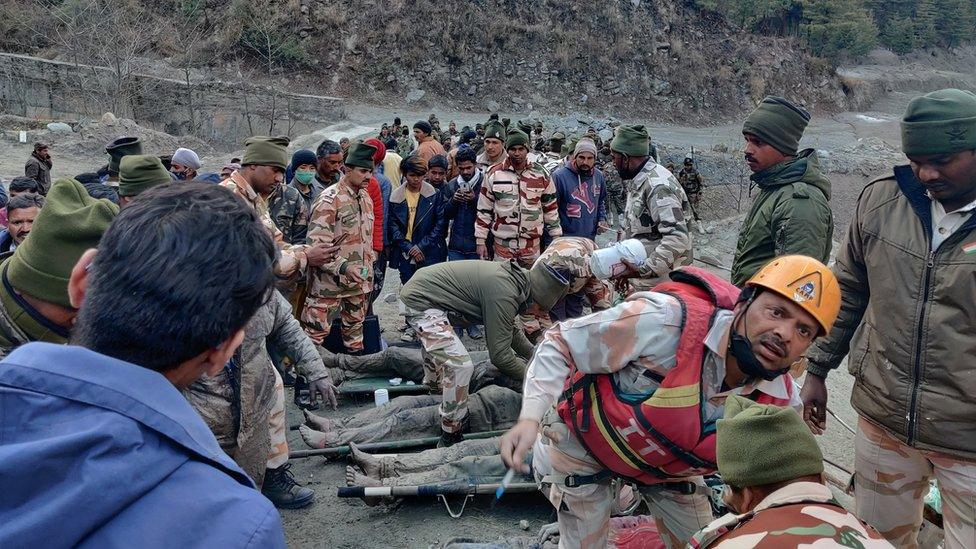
138	172
516	138
631	140
779	123
495	130
70	222
360	155
559	136
120	148
759	444
266	151
941	122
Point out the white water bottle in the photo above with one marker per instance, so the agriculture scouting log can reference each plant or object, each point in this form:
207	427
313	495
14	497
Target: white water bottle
608	262
381	397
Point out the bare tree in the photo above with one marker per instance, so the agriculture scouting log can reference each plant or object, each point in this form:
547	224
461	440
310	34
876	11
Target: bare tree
191	42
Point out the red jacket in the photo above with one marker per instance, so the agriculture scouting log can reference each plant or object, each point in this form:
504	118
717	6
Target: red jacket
373	188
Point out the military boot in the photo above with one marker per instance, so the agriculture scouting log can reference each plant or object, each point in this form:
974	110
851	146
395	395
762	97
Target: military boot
284	492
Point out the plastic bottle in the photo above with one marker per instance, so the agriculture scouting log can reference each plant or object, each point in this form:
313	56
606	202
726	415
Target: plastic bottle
381	397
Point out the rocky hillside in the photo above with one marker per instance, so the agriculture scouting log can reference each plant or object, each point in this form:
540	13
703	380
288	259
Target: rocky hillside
664	59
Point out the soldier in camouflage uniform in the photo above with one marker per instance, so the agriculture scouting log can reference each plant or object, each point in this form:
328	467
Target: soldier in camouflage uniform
343	216
616	194
570	256
289	212
517	205
462	293
691	181
404	143
657	209
774	474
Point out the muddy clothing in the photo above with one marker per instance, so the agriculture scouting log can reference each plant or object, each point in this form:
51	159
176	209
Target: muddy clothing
292	260
517	208
17	326
691	181
791	215
906	319
290	213
341	215
657	214
238	403
802	514
493	408
39	169
477	460
478	293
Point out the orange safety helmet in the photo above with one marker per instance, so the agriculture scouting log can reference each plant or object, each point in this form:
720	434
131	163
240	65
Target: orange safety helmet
804	281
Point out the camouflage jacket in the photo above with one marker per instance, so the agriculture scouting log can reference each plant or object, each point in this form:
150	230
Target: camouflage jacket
236	402
290	213
570	255
404	146
517	208
802	514
292	259
342	216
656	213
691	181
486	165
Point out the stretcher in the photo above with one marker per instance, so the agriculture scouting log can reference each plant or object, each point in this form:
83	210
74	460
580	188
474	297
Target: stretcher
466	489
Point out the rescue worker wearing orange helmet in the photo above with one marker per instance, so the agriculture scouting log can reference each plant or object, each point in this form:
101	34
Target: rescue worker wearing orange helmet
638	389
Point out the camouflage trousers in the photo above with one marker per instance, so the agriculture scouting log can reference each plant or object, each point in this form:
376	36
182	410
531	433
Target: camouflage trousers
277	426
584	511
318	316
447	365
892	478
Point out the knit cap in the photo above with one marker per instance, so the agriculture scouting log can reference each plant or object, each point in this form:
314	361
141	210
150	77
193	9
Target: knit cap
941	122
585	145
631	140
138	172
70	222
495	130
302	157
186	157
779	123
759	444
516	138
261	150
424	126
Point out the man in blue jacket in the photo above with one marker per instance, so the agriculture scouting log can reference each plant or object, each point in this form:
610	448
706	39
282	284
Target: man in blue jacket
461	205
417	224
581	193
116	455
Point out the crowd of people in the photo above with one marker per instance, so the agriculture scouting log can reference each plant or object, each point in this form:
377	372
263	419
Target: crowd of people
152	314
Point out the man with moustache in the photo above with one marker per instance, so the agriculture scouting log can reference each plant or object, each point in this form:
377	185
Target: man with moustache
791	214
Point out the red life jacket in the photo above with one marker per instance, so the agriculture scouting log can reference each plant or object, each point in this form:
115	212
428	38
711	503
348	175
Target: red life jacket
663	435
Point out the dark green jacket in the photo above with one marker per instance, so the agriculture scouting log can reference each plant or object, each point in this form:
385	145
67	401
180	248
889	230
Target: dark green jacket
907	324
18	325
791	215
478	292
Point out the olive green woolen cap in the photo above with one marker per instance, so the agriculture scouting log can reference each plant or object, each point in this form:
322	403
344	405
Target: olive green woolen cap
360	155
70	222
759	444
515	138
261	150
631	140
941	122
495	130
779	123
139	172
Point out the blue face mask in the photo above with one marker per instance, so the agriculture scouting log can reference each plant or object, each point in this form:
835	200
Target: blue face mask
182	176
